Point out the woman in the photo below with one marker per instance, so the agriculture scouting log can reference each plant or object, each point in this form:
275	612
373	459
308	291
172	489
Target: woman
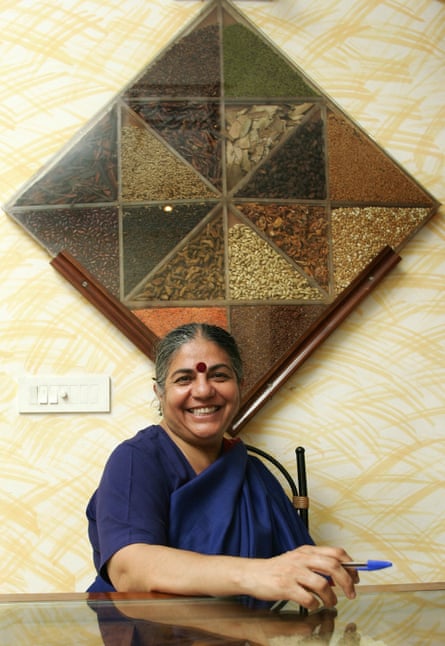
181	509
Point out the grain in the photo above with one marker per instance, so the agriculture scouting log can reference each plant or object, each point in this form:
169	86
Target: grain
300	231
256	271
358	234
266	332
150	171
161	320
295	169
360	172
87	173
253	68
90	234
190	67
190	128
149	234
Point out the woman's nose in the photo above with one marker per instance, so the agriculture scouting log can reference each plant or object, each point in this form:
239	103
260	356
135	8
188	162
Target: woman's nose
202	386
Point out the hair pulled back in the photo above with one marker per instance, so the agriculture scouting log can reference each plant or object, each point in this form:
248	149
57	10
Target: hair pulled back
175	339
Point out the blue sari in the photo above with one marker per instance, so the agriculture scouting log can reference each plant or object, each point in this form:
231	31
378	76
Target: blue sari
235	507
150	494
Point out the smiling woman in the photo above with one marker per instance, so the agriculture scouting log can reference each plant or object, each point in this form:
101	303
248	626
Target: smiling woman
183	509
200	393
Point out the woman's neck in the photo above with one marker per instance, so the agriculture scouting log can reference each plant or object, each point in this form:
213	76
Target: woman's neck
198	456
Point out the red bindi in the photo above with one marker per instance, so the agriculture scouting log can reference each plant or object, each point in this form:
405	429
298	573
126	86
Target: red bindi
201	366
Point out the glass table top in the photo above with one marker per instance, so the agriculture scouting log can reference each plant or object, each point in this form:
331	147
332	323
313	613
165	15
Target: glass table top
385	616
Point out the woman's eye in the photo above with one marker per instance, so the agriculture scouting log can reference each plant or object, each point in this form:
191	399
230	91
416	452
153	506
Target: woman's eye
220	376
183	379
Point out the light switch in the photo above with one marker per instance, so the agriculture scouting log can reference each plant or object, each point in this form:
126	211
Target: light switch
75	394
53	395
42	394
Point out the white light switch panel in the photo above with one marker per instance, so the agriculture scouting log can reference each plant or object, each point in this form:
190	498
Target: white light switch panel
78	394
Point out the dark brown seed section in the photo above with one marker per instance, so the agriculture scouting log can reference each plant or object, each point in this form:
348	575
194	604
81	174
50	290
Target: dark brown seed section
252	131
91	235
266	333
191	67
86	174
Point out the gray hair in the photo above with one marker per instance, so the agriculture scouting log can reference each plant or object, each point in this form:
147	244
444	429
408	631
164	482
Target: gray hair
175	339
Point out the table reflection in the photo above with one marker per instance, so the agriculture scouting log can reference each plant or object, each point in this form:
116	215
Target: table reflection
380	616
207	622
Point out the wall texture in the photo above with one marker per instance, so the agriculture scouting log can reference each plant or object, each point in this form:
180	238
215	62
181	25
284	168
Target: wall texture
368	405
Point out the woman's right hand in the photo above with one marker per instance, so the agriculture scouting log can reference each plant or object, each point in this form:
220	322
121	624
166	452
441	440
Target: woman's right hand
305	575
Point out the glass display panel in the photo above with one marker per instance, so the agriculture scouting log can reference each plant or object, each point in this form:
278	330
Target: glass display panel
223	185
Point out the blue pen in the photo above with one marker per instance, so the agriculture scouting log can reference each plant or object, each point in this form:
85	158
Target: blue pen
367	565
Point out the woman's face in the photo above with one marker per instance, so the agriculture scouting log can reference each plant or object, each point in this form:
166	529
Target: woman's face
201	394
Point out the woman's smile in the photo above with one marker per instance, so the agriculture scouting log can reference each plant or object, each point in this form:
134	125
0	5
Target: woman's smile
202	411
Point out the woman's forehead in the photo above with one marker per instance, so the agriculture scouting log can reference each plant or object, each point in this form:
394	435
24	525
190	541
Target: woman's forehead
200	354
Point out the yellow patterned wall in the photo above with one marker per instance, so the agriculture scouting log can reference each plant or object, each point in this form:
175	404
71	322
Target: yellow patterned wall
369	405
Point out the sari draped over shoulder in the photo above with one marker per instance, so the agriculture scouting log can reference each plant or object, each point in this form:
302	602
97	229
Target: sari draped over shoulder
235	507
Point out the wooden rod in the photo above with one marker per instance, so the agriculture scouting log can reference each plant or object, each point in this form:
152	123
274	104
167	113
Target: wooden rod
105	302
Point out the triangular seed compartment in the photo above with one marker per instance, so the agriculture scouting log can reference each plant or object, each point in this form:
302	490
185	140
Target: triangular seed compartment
151	171
162	319
191	129
254	68
253	130
361	173
90	234
360	233
189	67
296	168
301	231
193	272
150	232
258	272
87	173
266	332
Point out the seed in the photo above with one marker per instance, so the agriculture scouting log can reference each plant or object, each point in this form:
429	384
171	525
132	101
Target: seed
359	233
192	273
152	172
256	271
253	131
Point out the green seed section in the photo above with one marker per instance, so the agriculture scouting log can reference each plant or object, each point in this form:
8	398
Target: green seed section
253	68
